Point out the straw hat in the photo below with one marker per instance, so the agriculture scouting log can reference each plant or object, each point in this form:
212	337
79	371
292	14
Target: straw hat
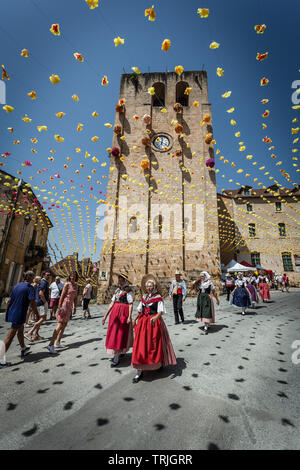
150	277
178	272
122	274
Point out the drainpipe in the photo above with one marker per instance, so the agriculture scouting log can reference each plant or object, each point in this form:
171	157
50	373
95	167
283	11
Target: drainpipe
5	242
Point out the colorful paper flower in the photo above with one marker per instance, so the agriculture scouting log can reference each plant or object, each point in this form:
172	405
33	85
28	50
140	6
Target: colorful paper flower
136	70
32	95
54	79
230	110
220	72
60	114
92	4
55	29
179	69
210	163
261	57
58	138
264	81
214	45
78	57
150	13
79	127
42	128
196	104
95	114
115	151
151	91
27	163
8	109
25	53
104	81
118	41
264	101
26	118
4	73
187	91
166	45
95	138
260	28
75	98
203	12
226	94
266	113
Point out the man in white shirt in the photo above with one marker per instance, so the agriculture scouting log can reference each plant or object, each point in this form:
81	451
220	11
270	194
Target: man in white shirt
87	295
55	293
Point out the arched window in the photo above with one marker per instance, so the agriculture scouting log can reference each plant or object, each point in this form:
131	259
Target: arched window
180	96
133	225
157	224
159	98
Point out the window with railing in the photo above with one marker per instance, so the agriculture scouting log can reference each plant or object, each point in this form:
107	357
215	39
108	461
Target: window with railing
252	231
278	206
249	207
287	262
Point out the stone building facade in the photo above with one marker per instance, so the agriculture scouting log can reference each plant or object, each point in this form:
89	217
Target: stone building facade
261	227
24	228
161	217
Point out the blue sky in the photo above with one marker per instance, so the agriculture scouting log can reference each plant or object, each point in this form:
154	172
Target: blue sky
26	23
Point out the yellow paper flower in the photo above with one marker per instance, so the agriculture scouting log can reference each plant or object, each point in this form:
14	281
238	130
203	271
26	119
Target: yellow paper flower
60	114
230	110
203	12
226	94
95	138
233	122
260	28
55	29
95	159
179	69
24	53
32	95
78	57
58	138
118	41
187	91
79	127
87	155
237	134
42	128
123	137
78	150
26	118
4	73
166	45
8	109
104	81
95	114
220	72
295	130
54	79
107	124
150	13
136	70
151	90
264	81
214	45
196	104
34	140
92	4
75	98
163	110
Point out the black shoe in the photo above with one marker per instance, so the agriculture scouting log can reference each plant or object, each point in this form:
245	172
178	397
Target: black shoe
177	323
122	355
114	364
136	379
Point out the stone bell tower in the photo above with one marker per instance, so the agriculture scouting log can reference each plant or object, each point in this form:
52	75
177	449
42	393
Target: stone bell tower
161	207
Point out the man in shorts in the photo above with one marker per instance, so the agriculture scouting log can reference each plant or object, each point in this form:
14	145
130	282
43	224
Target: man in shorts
21	297
55	292
42	302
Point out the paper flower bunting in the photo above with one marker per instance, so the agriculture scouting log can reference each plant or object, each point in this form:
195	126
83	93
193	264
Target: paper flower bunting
220	72
203	12
75	98
166	45
150	13
104	81
54	79
214	45
118	41
4	73
264	81
55	29
179	69
136	70
78	57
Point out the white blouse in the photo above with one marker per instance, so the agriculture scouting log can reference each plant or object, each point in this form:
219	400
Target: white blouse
160	306
116	296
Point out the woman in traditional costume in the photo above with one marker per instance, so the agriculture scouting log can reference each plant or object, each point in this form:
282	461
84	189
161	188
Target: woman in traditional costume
264	289
205	305
251	286
152	347
241	294
119	337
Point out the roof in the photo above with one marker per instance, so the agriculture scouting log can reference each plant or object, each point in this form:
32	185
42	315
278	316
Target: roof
271	191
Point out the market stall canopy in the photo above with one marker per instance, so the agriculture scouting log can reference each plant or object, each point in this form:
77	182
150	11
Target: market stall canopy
237	267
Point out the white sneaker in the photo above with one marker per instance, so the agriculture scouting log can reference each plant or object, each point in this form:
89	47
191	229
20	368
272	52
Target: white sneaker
51	349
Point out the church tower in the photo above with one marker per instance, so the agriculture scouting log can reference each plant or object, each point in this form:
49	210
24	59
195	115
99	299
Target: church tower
161	208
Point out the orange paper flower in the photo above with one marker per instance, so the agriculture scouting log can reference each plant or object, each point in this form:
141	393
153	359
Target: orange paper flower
150	13
55	29
166	45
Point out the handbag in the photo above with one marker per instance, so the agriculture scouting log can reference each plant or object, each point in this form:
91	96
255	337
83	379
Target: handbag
175	290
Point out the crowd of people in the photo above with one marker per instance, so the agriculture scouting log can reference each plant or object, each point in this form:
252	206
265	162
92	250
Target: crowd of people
147	333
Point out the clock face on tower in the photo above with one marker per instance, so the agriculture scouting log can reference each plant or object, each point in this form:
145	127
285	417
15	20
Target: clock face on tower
162	142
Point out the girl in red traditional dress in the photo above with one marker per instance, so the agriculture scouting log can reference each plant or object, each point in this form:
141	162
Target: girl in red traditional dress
119	337
264	289
152	347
